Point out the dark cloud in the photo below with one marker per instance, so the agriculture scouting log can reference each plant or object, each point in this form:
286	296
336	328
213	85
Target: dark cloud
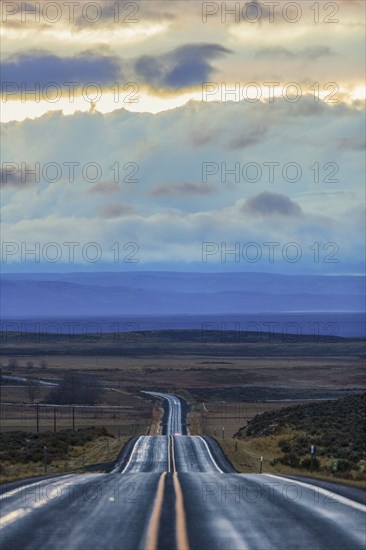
109	211
44	68
182	68
312	52
11	176
106	188
128	12
182	189
249	138
268	204
351	144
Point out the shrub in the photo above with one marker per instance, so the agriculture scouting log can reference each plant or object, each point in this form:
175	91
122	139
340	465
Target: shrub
284	445
290	459
83	389
306	463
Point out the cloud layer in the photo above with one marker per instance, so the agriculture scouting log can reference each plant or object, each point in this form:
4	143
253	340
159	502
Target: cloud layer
170	170
175	192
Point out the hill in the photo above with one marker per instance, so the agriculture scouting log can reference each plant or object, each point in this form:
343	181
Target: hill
168	293
337	429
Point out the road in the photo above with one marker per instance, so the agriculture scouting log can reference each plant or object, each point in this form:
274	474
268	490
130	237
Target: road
178	492
174	421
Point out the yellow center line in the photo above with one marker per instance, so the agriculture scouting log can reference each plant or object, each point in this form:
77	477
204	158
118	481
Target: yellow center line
180	516
153	530
173	454
168	453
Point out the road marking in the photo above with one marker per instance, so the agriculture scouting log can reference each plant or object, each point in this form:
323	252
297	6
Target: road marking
173	455
132	453
180	516
153	529
212	458
342	500
12	516
27	486
173	423
168	441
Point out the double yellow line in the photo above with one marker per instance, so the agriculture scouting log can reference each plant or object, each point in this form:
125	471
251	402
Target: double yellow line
181	535
171	454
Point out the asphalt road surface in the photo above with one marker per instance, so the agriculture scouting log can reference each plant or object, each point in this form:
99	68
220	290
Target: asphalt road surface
177	492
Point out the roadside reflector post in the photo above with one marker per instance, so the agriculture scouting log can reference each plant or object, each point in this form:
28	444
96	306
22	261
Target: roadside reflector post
335	463
37	417
223	432
45	459
312	453
261	464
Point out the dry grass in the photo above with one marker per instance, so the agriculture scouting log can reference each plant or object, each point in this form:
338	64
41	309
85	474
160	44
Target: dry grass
194	421
101	450
194	372
245	455
182	371
155	427
233	416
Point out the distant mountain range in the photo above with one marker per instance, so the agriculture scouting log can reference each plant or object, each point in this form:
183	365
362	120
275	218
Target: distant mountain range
172	293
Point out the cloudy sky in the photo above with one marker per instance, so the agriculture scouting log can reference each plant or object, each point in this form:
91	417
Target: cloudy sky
167	134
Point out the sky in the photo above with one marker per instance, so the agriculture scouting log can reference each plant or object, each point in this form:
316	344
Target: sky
203	136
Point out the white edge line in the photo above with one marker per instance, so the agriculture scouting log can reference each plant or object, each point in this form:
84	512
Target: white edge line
17	490
129	462
339	498
212	458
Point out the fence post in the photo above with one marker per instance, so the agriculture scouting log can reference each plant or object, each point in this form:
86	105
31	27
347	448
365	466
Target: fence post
45	459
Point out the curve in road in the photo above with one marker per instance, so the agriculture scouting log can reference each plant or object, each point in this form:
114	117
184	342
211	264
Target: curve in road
177	492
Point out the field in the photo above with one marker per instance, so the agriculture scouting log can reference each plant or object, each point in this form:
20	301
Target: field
25	454
227	382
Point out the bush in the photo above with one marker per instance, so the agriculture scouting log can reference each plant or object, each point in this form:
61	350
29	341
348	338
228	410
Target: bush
83	389
306	463
290	459
29	447
284	445
344	466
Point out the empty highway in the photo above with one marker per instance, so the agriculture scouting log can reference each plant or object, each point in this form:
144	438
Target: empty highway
178	492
